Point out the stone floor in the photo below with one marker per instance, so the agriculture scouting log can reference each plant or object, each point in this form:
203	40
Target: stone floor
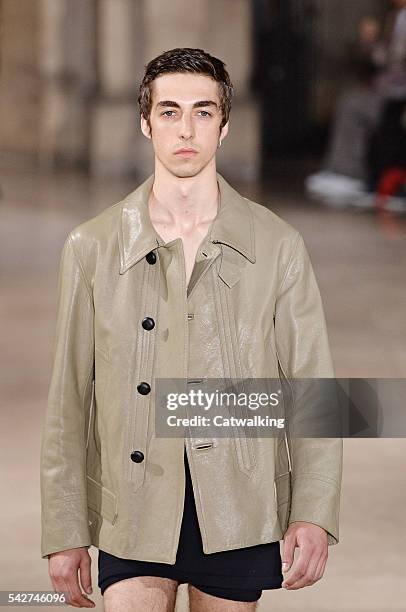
360	263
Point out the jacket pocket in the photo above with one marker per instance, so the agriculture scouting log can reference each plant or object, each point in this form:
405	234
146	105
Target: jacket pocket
101	500
102	375
89	419
93	435
93	456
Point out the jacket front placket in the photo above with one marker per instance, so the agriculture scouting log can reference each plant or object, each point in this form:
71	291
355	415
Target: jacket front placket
172	351
206	264
138	424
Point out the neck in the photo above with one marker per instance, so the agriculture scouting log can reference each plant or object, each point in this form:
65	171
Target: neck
184	201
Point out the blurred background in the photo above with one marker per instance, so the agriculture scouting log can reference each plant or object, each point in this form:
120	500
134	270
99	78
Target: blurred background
317	134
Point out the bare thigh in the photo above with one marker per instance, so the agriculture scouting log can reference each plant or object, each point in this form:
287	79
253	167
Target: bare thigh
141	594
203	602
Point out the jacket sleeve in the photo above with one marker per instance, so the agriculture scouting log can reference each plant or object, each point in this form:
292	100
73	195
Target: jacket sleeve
63	447
303	352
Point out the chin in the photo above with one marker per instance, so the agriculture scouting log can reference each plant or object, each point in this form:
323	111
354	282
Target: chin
185	172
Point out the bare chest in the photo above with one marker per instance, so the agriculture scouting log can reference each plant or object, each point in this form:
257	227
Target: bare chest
191	243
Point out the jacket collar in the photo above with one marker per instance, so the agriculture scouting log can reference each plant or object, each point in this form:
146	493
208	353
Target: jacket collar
233	225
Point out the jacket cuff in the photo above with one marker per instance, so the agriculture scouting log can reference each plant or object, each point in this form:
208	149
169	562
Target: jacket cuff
65	526
315	500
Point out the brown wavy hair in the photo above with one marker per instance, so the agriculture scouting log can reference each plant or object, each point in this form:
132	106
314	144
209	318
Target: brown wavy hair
186	60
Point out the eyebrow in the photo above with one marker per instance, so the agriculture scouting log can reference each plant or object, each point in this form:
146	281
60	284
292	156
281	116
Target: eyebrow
198	104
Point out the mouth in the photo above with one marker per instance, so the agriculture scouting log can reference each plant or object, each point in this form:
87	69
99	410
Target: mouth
186	152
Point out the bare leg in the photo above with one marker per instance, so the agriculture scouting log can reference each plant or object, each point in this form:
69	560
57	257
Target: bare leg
141	594
203	602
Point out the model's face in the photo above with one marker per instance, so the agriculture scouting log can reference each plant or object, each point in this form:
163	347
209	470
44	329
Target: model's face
185	114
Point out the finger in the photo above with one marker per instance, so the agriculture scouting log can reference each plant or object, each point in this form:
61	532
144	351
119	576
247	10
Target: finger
321	566
299	567
76	594
288	553
71	595
311	571
86	574
299	574
61	586
298	584
309	577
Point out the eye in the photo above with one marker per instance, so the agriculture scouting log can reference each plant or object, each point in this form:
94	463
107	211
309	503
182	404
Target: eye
206	113
168	111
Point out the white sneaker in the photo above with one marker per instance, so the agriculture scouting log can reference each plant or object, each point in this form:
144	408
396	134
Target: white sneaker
334	189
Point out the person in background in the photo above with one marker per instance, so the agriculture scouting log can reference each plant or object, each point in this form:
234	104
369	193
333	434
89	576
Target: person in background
378	60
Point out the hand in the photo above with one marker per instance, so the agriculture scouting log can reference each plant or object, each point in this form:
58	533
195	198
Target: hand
63	570
309	566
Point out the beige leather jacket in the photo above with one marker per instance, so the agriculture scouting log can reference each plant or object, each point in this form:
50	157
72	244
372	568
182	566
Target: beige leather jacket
252	309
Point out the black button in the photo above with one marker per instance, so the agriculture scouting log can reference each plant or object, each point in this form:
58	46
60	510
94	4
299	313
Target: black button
148	323
151	257
144	388
137	456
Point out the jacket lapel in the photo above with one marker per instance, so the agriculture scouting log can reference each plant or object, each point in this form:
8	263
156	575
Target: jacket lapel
136	234
233	229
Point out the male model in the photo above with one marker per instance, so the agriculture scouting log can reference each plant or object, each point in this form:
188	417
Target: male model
183	279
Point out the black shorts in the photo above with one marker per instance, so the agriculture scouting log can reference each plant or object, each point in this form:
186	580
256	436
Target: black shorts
238	574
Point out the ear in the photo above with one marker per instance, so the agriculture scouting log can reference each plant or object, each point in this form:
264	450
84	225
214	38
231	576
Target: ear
224	131
145	129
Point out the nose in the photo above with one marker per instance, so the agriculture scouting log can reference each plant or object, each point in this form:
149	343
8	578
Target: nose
186	127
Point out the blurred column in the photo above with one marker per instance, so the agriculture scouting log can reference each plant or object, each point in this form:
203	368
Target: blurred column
176	24
67	66
117	145
20	82
231	41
